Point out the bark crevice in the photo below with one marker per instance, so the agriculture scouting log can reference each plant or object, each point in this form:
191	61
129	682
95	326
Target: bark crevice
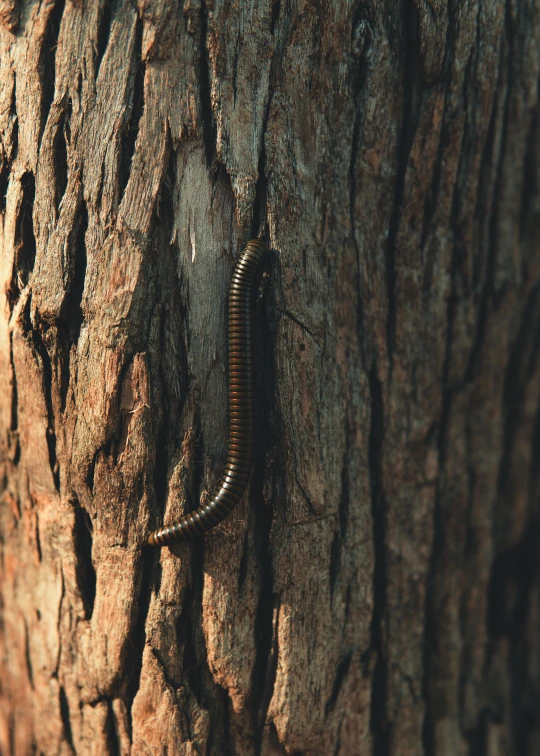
49	47
379	725
134	114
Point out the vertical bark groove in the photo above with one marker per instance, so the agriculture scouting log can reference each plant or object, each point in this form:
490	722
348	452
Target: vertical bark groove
378	714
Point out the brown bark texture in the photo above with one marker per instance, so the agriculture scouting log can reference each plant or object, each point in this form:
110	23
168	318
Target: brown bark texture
377	590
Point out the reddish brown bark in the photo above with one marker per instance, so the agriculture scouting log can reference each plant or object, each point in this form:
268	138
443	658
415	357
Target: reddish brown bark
377	590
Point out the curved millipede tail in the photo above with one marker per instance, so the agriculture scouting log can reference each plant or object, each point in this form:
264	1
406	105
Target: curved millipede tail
241	408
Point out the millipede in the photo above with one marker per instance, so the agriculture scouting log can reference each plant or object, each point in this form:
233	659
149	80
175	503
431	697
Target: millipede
237	470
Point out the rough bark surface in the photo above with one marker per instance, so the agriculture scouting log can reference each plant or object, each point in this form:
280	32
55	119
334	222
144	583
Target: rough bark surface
378	590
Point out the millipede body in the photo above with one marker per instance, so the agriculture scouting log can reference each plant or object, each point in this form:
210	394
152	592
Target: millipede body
241	408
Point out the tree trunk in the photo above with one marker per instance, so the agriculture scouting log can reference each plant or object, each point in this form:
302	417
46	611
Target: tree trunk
377	590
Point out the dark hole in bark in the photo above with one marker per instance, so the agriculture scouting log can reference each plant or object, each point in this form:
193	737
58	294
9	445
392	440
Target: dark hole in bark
412	81
219	740
343	517
530	177
276	8
14	395
113	740
192	644
40	335
510	594
274	742
378	724
24	232
66	719
48	59
150	581
11	728
61	155
171	348
512	574
72	314
91	471
131	131
518	374
4	181
104	31
27	655
86	574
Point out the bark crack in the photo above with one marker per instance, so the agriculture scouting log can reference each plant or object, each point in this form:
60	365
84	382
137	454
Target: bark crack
341	675
412	68
487	291
85	571
72	316
519	371
342	518
29	668
66	717
38	334
134	114
104	32
48	60
25	240
113	739
378	716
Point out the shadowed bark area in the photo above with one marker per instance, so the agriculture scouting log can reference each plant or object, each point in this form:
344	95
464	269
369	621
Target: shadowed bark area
377	590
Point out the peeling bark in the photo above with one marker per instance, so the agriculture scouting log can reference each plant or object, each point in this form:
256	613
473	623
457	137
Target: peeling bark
377	591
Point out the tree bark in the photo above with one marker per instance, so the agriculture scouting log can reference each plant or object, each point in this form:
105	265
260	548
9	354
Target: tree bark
377	591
